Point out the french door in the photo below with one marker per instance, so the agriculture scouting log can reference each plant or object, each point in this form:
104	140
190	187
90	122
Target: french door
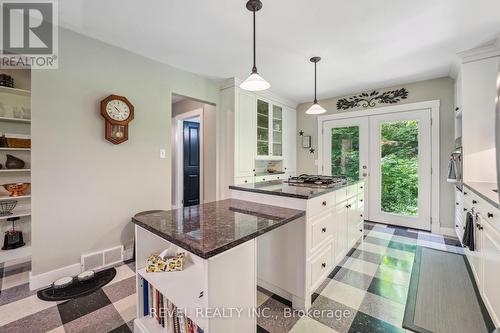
392	152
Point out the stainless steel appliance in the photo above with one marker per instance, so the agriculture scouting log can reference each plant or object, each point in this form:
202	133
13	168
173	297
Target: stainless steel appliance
498	129
457	158
317	181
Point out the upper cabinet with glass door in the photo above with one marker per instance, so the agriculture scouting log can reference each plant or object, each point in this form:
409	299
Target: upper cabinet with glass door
269	130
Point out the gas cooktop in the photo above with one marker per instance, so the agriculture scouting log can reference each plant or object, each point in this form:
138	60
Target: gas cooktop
317	180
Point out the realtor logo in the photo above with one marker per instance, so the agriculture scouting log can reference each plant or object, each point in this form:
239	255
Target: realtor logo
29	34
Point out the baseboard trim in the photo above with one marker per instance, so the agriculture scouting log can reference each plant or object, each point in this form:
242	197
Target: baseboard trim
45	279
275	289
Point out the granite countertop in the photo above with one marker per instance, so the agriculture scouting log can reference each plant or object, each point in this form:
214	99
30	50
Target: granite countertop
485	191
212	228
282	188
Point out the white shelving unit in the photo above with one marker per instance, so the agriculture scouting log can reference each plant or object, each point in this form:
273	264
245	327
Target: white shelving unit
11	98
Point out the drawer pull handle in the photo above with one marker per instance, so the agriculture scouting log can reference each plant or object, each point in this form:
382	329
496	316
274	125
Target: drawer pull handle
201	294
264	179
490	215
456	203
456	225
323	265
246	181
323	230
348	206
324	203
465	209
361	230
361	187
474	202
360	215
361	200
465	193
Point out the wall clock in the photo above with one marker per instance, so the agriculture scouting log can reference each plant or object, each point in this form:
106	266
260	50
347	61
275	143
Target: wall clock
118	112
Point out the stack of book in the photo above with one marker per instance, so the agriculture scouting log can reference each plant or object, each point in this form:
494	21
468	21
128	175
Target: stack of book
158	307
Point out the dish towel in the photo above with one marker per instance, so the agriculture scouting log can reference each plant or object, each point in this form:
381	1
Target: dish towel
468	238
452	170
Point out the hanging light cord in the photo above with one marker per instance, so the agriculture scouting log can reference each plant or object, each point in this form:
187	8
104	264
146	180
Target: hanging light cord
254	69
315	100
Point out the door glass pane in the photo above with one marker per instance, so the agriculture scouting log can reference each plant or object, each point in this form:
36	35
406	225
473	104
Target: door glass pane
399	167
262	128
277	130
345	152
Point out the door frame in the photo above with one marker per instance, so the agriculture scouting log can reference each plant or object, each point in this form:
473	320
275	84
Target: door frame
433	107
178	155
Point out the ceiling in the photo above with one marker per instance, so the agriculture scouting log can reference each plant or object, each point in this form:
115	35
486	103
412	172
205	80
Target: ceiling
364	44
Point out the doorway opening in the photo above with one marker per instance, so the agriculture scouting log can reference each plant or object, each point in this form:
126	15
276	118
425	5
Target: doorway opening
193	148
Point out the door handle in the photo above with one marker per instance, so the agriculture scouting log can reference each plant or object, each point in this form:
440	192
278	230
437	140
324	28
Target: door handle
323	230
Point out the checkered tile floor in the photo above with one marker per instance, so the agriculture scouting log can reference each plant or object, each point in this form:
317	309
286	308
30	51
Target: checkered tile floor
369	287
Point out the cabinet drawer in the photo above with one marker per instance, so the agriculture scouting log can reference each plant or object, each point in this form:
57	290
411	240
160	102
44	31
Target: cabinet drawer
341	195
352	190
321	265
243	180
321	204
321	230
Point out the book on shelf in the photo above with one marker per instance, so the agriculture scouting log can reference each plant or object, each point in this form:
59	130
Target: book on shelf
164	312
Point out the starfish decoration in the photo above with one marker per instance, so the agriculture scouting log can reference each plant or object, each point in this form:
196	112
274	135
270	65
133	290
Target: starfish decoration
311	150
301	133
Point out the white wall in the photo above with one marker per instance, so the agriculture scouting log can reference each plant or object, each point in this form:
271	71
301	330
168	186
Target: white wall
438	89
85	189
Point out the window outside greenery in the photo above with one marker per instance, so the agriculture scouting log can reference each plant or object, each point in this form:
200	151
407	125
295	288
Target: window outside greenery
345	152
399	167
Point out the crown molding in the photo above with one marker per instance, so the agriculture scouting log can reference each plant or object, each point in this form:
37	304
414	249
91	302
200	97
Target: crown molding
488	50
235	82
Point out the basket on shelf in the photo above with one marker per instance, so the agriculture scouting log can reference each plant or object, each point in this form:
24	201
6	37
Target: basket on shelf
18	143
6	207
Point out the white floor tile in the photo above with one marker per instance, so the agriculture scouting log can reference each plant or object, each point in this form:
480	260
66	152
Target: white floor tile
432	245
16	261
22	308
309	325
361	266
344	294
127	308
122	272
261	298
15	280
381	235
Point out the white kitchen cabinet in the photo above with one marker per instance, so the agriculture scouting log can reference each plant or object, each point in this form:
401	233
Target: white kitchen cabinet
485	260
245	136
290	141
479	77
490	250
262	126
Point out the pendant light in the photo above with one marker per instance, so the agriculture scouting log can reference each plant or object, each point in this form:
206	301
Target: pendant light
315	108
254	82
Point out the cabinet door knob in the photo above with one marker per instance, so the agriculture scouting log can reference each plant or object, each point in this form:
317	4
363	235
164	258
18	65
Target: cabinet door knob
361	200
361	230
465	209
201	294
285	168
456	225
361	187
246	181
323	230
474	202
360	215
323	265
324	203
456	203
253	170
263	179
490	215
465	193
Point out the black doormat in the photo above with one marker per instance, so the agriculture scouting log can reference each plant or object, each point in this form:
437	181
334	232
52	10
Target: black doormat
78	289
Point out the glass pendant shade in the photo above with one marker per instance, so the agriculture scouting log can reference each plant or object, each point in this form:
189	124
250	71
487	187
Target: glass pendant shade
255	82
315	109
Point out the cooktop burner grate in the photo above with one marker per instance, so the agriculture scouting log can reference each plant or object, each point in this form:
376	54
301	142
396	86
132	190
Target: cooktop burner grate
317	180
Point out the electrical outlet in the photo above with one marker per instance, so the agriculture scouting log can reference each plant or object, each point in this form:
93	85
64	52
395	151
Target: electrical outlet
163	153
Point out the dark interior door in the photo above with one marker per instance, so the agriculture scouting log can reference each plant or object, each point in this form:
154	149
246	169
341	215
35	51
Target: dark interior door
191	163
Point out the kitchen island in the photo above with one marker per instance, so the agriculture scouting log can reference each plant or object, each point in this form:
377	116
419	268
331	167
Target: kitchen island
284	238
294	260
219	239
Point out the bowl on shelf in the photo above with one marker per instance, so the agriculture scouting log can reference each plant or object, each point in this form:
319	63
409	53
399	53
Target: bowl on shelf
17	189
6	207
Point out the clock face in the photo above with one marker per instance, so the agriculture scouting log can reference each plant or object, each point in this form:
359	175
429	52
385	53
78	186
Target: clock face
117	110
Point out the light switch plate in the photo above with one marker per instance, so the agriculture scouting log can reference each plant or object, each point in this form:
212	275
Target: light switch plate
163	153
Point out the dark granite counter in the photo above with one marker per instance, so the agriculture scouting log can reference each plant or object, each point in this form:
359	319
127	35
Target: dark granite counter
485	191
282	188
215	227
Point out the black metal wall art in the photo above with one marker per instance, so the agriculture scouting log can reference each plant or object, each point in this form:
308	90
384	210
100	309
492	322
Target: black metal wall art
367	100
